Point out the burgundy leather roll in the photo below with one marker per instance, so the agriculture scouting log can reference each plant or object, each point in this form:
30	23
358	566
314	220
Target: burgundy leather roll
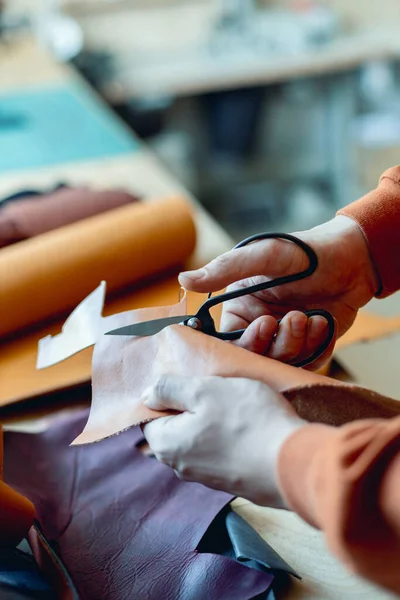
124	525
24	218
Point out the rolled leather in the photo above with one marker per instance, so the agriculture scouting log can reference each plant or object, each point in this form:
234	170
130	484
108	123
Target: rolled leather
48	275
27	216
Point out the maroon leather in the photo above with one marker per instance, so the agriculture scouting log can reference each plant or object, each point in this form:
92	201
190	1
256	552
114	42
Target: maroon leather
27	217
125	525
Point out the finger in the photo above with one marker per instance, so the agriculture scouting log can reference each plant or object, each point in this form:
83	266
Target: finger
241	312
268	257
316	335
171	392
290	338
259	335
162	438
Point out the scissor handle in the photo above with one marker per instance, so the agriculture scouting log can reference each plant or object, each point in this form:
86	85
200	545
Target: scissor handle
266	285
204	312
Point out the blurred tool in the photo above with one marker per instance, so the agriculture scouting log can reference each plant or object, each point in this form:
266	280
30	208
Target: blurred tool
58	33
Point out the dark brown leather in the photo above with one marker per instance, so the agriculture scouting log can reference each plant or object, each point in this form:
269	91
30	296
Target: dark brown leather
340	404
125	526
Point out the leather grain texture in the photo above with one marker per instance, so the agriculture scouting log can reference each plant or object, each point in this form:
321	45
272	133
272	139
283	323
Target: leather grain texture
124	524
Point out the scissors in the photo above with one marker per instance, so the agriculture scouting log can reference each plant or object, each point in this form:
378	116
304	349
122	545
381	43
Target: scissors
203	321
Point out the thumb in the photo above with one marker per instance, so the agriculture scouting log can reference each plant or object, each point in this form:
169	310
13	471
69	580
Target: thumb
170	393
270	258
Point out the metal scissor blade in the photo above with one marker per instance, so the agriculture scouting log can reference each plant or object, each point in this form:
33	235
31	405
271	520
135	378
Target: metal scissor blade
148	327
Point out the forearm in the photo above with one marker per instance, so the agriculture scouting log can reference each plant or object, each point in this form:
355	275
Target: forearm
346	481
378	216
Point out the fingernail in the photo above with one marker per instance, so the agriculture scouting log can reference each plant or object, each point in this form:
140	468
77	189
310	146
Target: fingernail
264	331
298	326
147	395
194	275
316	326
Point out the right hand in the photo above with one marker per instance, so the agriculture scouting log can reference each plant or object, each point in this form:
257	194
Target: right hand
344	282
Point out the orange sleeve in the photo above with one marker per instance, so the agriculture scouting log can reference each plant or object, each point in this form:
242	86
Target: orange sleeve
16	512
378	215
346	481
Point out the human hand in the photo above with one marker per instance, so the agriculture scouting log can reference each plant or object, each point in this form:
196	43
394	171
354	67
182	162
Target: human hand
227	436
344	282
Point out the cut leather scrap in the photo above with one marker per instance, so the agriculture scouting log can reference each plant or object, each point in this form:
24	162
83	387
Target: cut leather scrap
124	367
86	325
231	535
80	331
50	274
124	525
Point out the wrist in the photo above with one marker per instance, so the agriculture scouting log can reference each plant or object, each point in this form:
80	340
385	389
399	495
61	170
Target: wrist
296	465
346	232
272	450
357	240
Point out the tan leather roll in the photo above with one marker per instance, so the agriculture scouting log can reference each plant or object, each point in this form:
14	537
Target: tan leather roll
48	275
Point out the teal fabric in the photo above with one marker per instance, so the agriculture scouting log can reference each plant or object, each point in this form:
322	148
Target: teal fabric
47	127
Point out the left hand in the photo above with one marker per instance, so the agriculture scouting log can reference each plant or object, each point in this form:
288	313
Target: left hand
228	435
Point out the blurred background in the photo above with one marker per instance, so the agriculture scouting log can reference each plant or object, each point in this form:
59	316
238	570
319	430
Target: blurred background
273	113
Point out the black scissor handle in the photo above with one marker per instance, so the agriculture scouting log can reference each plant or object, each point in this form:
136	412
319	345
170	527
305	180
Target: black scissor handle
208	323
236	335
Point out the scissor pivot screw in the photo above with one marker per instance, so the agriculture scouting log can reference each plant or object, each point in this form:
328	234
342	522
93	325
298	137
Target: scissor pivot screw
194	323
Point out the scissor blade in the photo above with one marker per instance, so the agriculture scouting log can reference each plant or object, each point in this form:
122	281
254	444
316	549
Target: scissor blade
148	327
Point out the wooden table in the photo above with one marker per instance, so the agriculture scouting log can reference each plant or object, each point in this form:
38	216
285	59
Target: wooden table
23	67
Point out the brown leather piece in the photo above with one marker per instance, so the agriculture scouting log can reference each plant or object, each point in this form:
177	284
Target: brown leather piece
123	367
28	217
340	404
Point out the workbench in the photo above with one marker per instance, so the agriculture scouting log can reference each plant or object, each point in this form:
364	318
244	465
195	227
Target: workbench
127	163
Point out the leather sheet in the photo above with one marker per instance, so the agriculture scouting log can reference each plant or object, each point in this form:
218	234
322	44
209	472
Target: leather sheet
27	217
123	367
124	525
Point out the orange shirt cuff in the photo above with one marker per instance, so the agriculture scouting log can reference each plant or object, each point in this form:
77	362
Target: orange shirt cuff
378	216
